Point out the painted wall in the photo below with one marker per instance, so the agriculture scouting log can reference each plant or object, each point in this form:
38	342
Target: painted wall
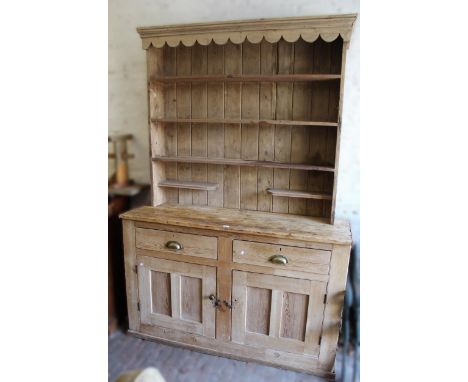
127	74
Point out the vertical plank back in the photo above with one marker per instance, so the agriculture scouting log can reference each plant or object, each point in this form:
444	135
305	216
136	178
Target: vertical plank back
232	132
215	147
199	130
322	139
249	132
300	135
244	187
266	133
170	129
184	110
284	99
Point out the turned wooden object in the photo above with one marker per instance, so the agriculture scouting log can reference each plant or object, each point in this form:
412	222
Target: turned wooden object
121	157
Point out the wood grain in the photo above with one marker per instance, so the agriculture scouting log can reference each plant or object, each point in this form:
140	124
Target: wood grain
304	363
232	132
170	129
278	313
268	239
191	298
309	28
131	279
249	77
184	110
300	135
199	130
245	120
156	109
175	296
294	316
192	245
266	132
207	186
249	135
247	252
258	310
161	292
298	194
319	143
283	133
340	110
251	100
215	130
253	223
224	284
191	284
245	124
242	162
333	309
275	313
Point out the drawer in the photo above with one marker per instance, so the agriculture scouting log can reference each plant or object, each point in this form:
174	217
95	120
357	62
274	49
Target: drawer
272	255
191	245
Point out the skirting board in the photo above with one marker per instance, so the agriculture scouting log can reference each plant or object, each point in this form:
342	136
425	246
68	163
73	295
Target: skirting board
232	350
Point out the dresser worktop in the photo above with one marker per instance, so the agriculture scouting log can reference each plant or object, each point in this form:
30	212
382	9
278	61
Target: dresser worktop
242	221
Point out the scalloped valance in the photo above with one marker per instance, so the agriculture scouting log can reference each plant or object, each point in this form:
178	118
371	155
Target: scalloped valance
272	30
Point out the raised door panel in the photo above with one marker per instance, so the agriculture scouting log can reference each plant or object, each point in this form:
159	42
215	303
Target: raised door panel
176	295
277	312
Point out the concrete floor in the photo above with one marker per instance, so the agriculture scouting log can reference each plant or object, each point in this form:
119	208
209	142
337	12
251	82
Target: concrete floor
181	365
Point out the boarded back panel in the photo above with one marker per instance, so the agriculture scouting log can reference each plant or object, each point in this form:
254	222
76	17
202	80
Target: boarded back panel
232	132
249	136
184	140
303	63
266	133
215	132
306	101
199	130
284	93
170	129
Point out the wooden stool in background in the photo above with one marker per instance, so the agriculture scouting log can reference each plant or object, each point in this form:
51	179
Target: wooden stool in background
121	157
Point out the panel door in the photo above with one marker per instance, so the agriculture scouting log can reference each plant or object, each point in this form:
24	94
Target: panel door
175	295
277	312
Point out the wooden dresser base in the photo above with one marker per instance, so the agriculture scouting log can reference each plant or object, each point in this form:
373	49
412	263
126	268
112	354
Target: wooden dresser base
209	279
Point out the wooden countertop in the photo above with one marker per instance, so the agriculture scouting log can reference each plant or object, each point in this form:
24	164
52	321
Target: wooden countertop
246	222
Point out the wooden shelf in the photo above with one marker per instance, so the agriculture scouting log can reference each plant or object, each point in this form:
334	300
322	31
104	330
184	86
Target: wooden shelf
205	186
299	194
242	162
242	121
228	120
249	78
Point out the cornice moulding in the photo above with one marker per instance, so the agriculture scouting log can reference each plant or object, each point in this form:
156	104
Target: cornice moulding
272	30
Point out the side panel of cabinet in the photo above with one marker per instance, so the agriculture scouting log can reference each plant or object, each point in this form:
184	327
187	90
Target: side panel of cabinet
175	295
277	312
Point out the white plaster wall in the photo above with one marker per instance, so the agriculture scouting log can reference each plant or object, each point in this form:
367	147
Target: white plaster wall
127	74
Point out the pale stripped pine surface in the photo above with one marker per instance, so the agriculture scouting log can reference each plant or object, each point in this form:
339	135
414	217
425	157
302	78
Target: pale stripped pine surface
219	159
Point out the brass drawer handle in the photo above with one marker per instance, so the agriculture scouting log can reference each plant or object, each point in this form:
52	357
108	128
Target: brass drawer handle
279	259
174	245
